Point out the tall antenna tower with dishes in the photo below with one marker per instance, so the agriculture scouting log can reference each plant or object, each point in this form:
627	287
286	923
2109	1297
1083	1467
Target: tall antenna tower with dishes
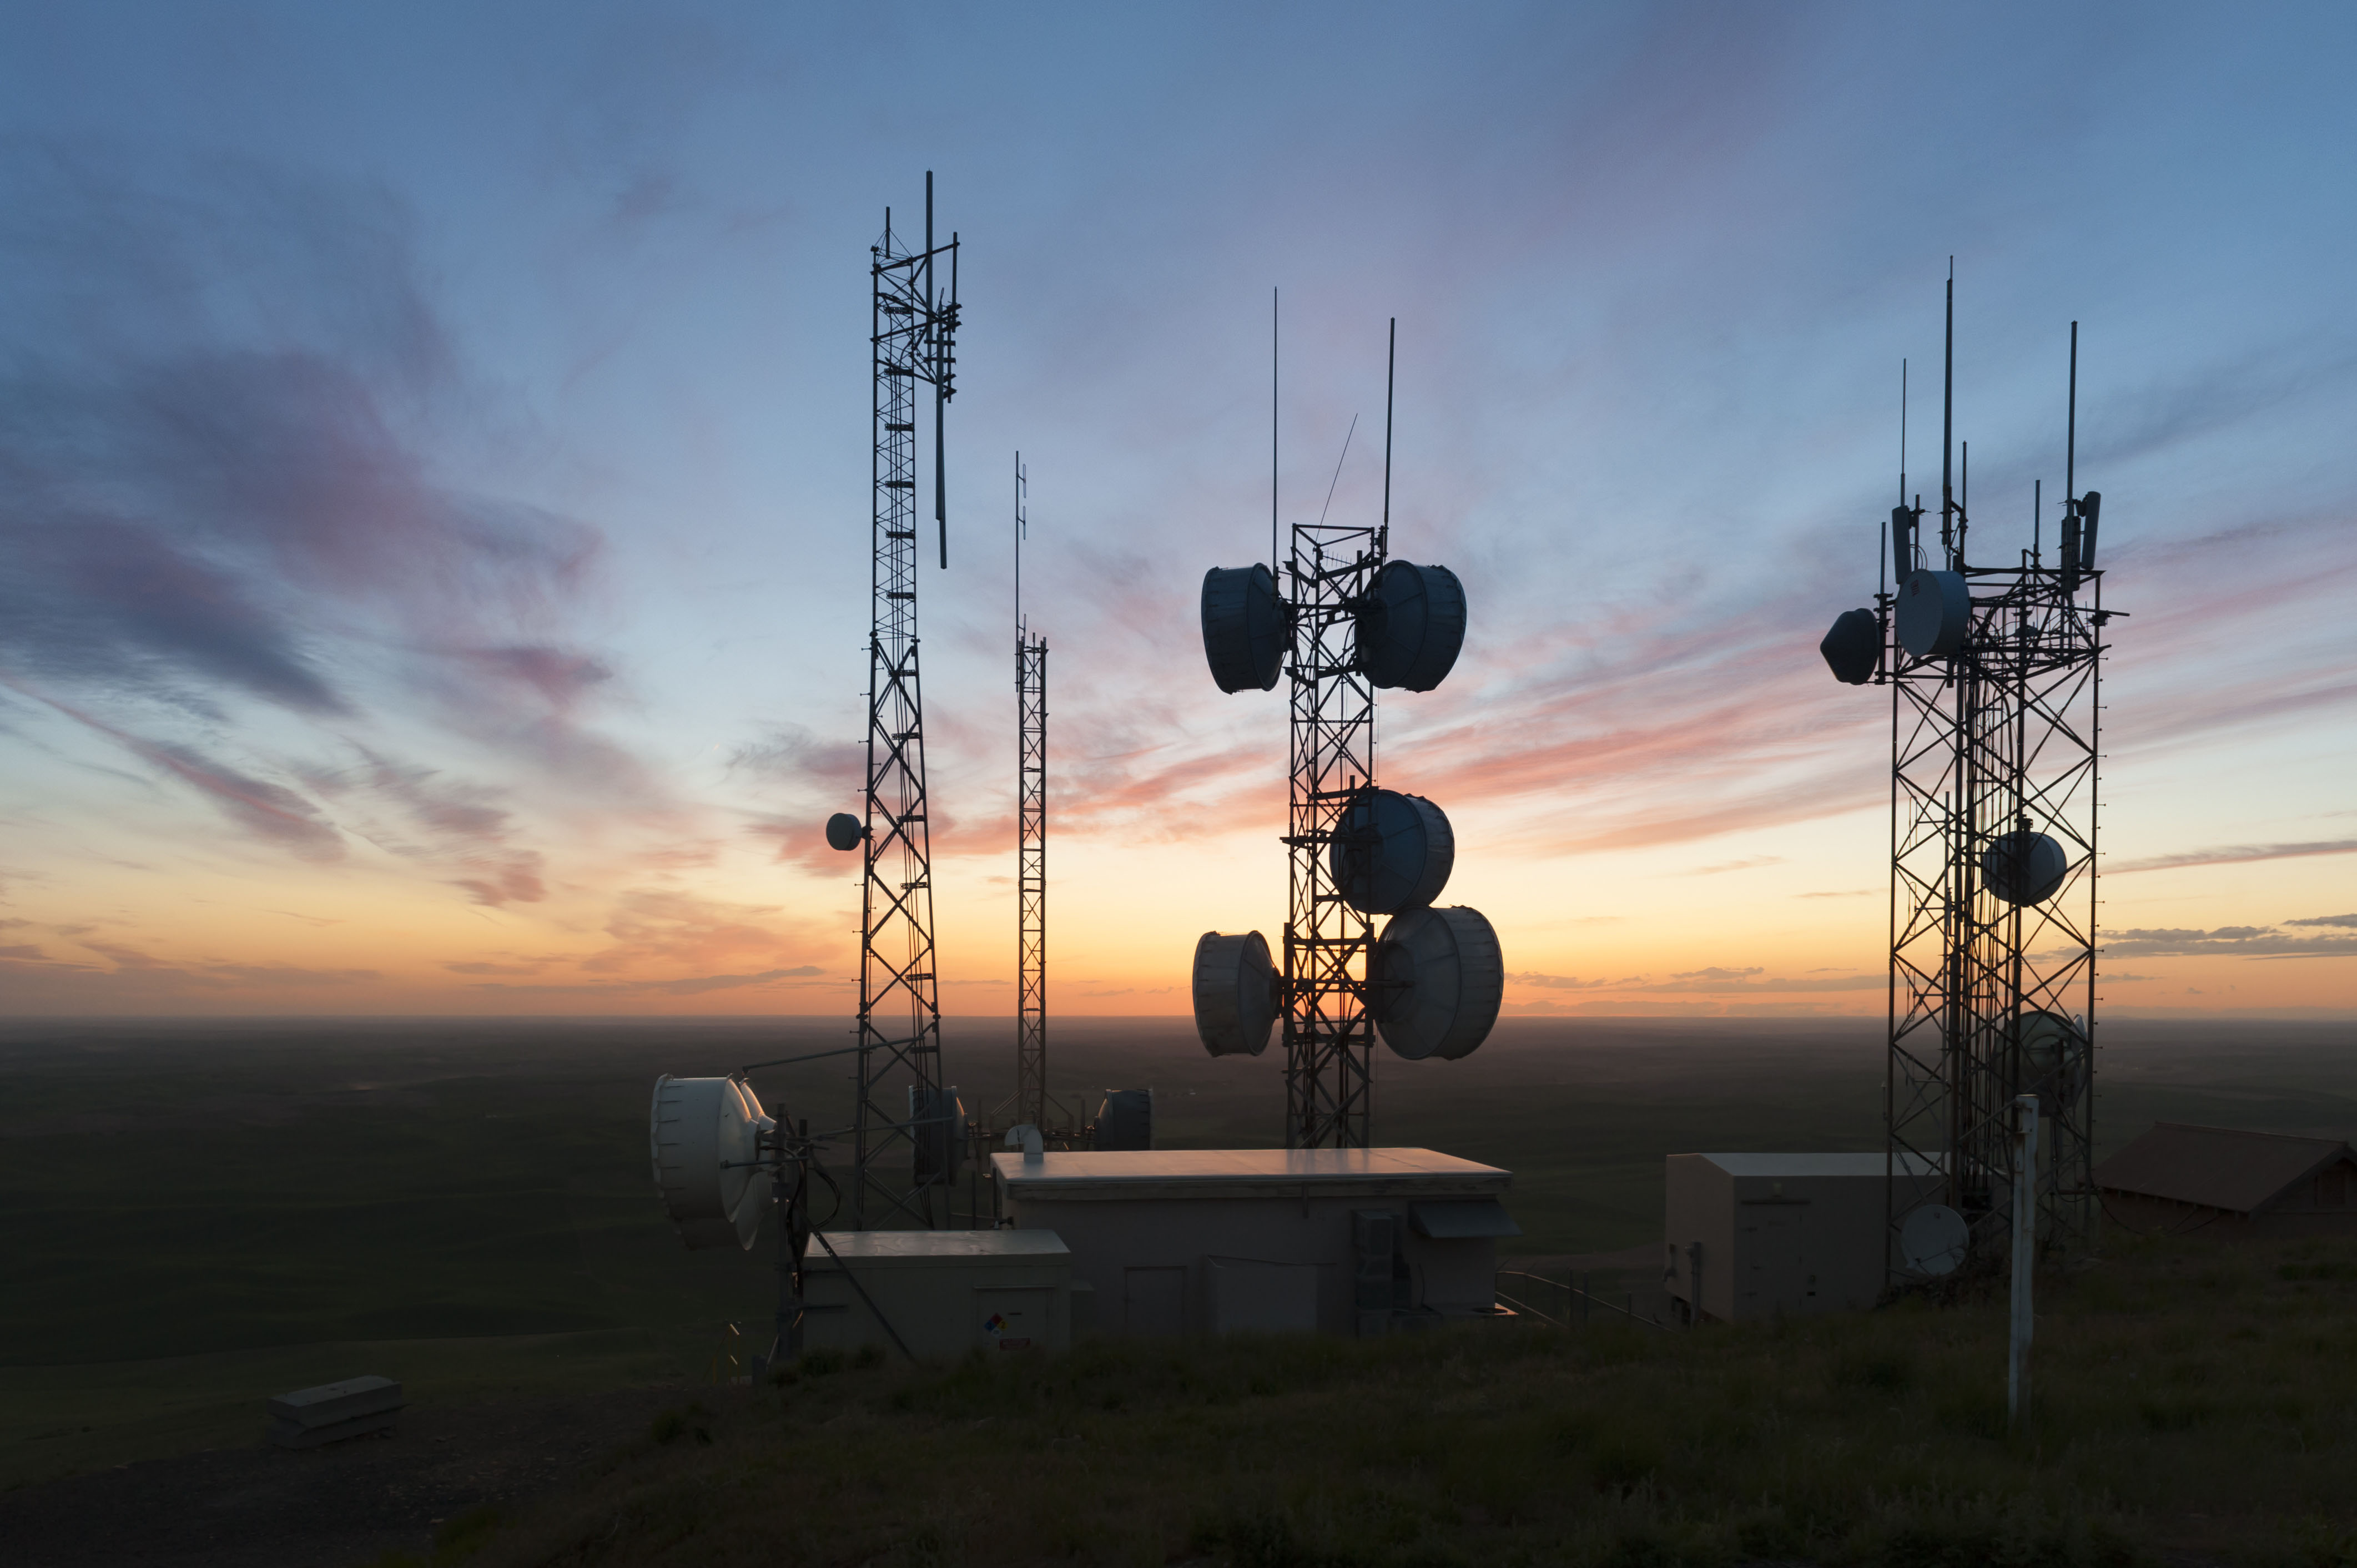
1994	670
1349	619
914	323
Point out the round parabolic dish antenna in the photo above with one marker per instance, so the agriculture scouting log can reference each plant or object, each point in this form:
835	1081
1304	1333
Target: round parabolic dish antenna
843	832
2024	867
1853	647
706	1133
1438	977
1246	627
1391	851
1235	993
1932	1239
1412	628
1935	611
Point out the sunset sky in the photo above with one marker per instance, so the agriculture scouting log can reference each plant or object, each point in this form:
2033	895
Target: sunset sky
434	478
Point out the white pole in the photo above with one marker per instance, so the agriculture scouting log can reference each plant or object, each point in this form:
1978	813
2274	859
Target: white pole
2025	1253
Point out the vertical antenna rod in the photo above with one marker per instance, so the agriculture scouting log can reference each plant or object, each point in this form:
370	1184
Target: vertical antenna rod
1947	424
2071	438
1390	384
1272	435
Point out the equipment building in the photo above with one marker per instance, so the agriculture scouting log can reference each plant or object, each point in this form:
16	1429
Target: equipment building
1350	1240
1752	1236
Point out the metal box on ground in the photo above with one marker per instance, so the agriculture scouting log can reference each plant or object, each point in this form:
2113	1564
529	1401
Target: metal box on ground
333	1412
1752	1236
1218	1240
943	1292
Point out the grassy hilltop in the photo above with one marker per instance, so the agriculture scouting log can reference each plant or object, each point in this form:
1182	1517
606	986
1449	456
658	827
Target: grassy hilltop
2194	1402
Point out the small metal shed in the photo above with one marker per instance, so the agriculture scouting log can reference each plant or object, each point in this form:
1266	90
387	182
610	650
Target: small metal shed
1216	1240
942	1293
2223	1181
1752	1236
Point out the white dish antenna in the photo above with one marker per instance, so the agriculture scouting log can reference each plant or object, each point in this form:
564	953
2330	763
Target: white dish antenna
1935	611
1235	993
1438	977
705	1135
1412	627
1392	852
1933	1240
1247	627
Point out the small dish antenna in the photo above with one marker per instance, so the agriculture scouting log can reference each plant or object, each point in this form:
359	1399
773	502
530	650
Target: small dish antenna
1935	611
1247	627
1854	647
1412	627
706	1137
845	832
1933	1240
2052	1056
1435	981
1235	993
1392	852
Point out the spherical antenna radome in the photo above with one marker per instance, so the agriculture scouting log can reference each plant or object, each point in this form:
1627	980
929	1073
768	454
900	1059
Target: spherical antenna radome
1412	627
845	832
1436	979
1935	612
1391	851
1933	1240
2024	867
706	1137
1247	627
1235	993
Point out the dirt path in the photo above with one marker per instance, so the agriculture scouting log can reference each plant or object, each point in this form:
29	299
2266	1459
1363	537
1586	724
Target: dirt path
324	1508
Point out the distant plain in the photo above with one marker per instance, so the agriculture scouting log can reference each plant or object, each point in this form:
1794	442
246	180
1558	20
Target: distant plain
198	1214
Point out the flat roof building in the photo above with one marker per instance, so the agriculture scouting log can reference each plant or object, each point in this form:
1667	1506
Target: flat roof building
1214	1240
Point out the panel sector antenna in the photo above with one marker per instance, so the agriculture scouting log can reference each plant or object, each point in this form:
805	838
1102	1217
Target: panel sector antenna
1996	678
904	1145
1345	621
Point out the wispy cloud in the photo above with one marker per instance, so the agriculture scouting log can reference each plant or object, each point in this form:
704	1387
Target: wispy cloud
2238	942
2234	854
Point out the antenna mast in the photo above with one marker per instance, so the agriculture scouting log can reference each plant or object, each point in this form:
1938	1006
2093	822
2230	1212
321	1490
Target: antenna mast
1031	1102
913	333
1995	674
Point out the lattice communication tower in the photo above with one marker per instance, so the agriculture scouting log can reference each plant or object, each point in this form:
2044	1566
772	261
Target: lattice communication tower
1032	1103
905	1150
1995	671
1430	983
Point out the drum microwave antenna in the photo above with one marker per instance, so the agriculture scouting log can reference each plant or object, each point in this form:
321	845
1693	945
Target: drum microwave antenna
1995	671
1344	621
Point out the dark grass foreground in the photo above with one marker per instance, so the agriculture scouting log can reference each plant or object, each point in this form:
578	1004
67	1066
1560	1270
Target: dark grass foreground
2195	1403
